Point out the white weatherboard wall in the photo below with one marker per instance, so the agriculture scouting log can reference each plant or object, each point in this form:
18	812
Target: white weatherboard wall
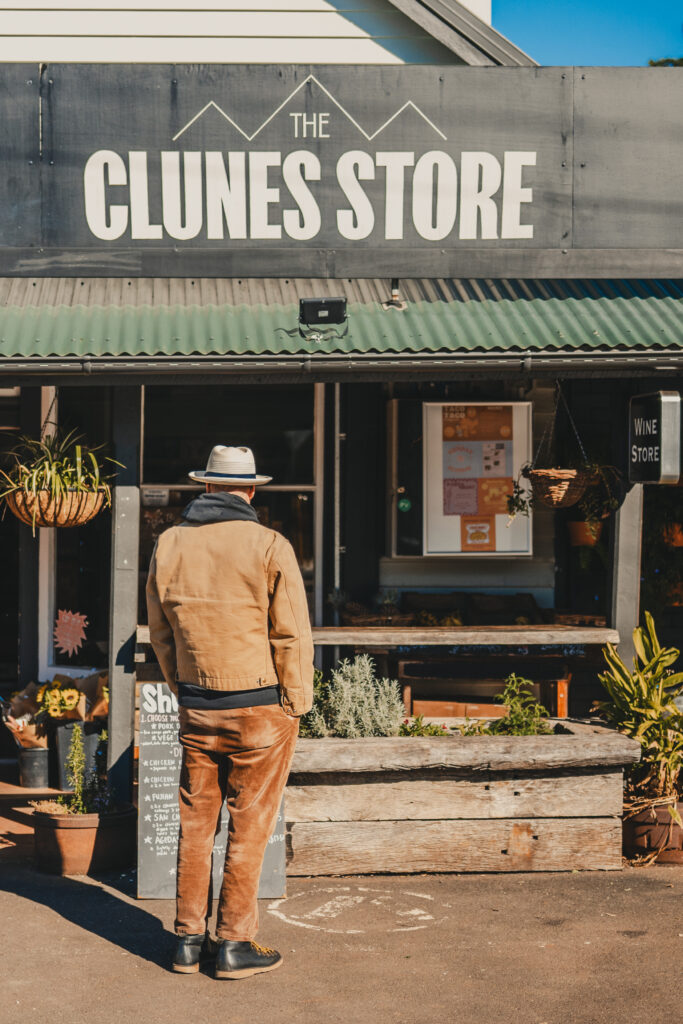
220	31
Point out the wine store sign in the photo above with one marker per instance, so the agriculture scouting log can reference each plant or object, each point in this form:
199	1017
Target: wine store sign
654	438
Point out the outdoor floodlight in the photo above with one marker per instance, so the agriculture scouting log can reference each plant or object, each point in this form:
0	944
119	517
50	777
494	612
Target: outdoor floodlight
321	312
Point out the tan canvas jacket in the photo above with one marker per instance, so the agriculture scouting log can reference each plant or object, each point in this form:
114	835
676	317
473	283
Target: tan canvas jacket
227	610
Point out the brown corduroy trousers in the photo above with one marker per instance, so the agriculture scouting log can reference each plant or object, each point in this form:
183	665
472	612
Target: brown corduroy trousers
242	756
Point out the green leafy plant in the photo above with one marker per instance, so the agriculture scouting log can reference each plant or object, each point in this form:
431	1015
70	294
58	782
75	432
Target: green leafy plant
354	703
520	502
602	497
525	717
91	791
75	773
418	727
642	704
312	725
56	463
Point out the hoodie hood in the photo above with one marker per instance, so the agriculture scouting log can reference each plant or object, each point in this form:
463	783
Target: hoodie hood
219	507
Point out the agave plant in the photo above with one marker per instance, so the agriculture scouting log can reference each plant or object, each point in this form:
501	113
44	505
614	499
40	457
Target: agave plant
643	705
56	463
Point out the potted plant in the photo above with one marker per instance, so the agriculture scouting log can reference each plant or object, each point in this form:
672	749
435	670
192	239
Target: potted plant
85	830
56	480
643	704
579	481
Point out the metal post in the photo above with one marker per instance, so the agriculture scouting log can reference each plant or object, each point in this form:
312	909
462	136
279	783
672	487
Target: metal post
626	551
123	611
28	559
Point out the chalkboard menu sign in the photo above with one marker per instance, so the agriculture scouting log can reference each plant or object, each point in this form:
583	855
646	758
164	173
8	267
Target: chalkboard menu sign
655	426
158	817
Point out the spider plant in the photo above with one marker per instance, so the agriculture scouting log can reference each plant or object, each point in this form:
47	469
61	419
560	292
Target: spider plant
57	463
643	704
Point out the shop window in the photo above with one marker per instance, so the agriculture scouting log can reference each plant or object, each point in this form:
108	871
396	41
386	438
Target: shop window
82	553
181	425
661	590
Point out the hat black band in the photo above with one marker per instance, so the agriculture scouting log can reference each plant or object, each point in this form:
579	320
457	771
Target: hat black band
239	476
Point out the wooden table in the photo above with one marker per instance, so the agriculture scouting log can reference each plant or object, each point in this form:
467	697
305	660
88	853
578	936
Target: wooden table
480	636
556	690
435	636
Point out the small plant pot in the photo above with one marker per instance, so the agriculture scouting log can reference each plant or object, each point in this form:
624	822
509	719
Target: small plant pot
654	829
673	535
582	534
33	768
77	844
40	509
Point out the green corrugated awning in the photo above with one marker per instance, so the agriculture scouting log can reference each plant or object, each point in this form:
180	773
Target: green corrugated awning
450	317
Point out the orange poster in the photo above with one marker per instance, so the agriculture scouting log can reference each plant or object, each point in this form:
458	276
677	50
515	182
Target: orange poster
492	495
477	423
478	533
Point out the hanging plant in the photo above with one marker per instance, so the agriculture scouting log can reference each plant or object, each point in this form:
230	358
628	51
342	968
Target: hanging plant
561	487
56	481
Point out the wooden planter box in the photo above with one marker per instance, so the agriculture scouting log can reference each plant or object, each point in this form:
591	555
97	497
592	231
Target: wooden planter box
458	803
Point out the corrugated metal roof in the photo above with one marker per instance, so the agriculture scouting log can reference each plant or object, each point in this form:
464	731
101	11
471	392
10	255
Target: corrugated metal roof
182	317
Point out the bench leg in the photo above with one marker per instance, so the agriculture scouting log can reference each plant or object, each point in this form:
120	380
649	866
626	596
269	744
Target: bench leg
407	699
562	696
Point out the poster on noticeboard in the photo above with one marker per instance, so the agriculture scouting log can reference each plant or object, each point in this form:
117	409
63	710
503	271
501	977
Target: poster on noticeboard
472	455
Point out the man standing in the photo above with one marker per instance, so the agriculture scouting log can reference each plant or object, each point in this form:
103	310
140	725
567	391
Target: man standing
229	625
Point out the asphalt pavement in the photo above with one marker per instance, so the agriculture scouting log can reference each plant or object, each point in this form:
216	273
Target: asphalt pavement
579	948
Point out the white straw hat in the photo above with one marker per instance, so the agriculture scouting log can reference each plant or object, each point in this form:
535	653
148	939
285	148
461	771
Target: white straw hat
230	466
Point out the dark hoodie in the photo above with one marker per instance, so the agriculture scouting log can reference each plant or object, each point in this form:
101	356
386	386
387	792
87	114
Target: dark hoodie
222	507
218	507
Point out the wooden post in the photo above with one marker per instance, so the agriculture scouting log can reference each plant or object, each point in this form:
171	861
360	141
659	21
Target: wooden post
626	549
123	612
29	418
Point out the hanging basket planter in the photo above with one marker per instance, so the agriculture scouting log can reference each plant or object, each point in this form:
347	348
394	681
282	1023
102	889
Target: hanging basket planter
55	480
41	509
559	488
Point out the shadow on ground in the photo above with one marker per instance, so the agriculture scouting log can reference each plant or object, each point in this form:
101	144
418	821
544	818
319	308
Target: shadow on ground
89	905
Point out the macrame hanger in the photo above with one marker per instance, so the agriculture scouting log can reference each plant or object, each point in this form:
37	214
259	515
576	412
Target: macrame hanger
551	426
47	419
560	394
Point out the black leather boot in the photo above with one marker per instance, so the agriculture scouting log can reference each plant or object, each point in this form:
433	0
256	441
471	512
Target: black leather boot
242	959
190	951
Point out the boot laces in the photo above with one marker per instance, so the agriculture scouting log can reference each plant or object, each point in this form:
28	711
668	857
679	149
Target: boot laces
262	950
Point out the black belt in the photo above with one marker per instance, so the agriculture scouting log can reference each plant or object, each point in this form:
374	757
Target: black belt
198	697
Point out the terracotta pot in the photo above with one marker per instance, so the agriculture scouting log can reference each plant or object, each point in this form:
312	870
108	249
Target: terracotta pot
673	535
653	829
76	844
73	509
583	535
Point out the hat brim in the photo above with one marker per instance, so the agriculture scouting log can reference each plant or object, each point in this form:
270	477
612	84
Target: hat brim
238	481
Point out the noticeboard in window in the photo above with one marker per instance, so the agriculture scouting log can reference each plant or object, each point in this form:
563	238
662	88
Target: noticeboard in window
472	454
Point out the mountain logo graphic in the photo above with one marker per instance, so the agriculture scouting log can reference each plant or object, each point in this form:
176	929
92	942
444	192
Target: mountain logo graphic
310	78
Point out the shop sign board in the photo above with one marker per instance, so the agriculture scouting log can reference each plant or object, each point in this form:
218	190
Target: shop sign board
273	170
158	814
655	438
472	454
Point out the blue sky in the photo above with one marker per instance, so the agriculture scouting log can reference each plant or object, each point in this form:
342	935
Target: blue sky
599	32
